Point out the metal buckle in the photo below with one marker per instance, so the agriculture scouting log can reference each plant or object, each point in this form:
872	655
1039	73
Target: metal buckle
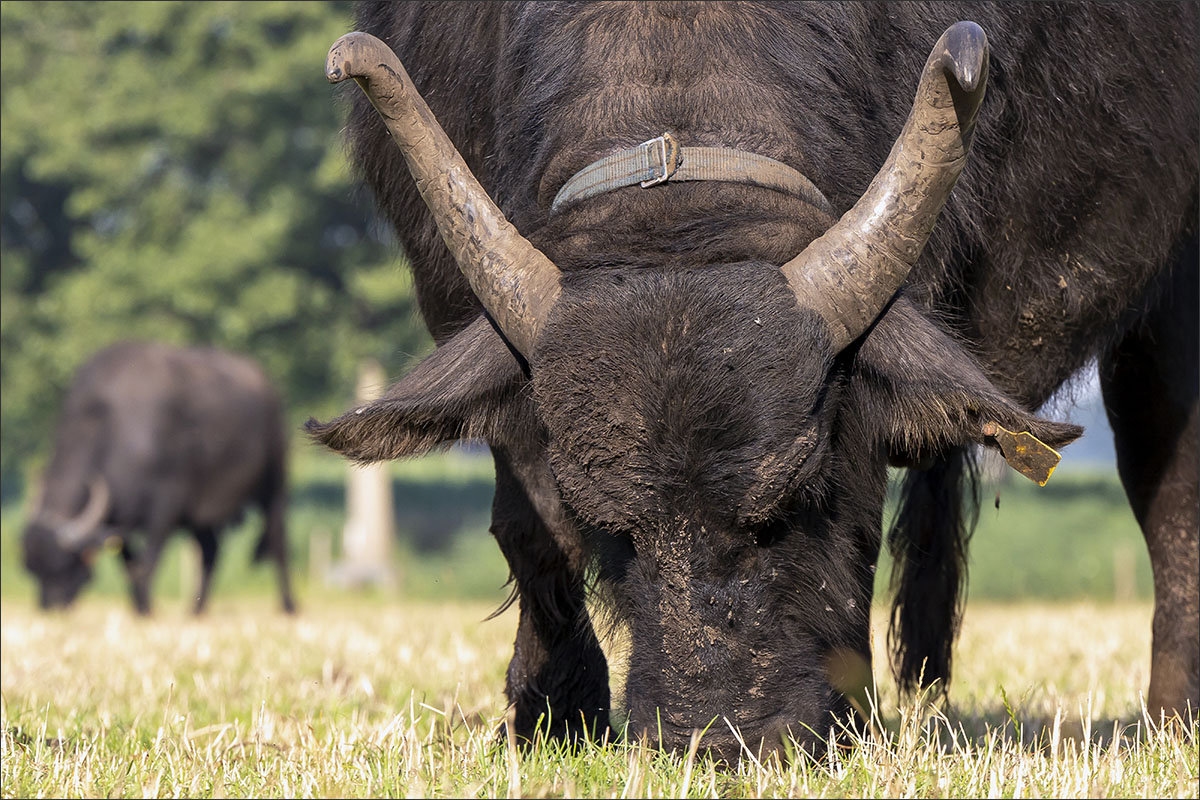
668	149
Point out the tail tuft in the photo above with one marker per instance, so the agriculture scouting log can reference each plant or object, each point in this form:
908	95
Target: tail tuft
928	541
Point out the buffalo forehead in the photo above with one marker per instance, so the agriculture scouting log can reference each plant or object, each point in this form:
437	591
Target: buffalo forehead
661	389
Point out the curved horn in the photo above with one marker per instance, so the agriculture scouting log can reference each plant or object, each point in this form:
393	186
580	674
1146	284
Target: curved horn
514	281
75	530
849	273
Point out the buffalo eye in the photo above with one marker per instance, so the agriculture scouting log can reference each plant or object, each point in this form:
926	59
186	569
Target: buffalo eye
772	532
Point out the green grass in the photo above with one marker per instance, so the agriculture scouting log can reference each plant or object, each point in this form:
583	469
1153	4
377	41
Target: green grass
1073	538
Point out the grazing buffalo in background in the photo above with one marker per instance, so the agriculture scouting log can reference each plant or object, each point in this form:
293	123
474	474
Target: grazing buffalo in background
693	358
154	438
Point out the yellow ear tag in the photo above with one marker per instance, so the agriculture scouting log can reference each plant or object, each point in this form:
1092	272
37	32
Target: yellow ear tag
1024	452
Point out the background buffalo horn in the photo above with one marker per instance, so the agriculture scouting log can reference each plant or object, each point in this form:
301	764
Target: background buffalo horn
75	530
849	273
515	282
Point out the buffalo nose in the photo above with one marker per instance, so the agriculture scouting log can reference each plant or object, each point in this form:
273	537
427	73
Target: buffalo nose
53	596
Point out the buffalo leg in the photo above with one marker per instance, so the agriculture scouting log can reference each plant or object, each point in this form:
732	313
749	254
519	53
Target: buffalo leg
160	524
1150	382
275	540
130	557
207	539
141	567
558	672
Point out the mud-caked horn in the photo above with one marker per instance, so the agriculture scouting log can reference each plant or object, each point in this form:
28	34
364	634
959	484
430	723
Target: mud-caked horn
76	530
515	282
850	272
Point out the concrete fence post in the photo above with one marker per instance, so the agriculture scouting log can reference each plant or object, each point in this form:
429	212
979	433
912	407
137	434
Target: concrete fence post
370	526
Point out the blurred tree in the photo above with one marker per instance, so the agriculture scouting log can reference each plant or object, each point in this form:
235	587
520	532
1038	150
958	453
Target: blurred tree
174	171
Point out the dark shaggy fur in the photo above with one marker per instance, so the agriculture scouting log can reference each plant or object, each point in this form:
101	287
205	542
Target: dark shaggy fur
182	438
683	423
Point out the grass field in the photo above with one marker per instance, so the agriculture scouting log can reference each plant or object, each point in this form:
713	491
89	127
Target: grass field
404	699
399	691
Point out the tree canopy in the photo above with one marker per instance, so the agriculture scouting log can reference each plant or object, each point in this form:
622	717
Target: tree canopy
175	171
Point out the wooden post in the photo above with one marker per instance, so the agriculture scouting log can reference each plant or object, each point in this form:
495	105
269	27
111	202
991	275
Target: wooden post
370	519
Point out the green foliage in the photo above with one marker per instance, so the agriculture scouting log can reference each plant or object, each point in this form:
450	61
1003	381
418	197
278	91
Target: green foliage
174	171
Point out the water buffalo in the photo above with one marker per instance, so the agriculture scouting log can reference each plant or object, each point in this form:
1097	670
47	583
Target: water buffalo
153	438
682	266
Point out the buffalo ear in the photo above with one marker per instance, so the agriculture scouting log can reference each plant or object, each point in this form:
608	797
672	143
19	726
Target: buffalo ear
927	394
458	392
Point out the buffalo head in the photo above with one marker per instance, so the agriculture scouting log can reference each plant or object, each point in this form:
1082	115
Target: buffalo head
59	549
718	434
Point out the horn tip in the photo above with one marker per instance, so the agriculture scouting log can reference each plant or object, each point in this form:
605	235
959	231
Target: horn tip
967	47
335	65
339	64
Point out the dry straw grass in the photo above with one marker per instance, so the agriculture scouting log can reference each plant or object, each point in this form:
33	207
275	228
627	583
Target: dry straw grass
380	699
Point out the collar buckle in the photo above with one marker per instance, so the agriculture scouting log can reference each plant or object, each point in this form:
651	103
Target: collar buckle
666	148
